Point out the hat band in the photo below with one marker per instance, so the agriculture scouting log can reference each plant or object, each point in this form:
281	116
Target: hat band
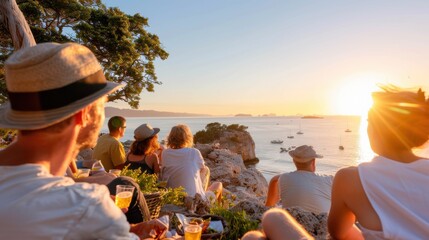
59	97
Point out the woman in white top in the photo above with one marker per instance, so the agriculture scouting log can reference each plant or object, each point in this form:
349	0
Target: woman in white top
183	165
387	196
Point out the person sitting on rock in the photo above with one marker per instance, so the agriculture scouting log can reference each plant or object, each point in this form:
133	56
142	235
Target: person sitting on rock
109	150
303	188
388	195
142	154
183	165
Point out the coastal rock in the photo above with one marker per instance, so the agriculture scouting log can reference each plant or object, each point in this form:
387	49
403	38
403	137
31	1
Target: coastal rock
240	142
315	224
228	167
253	209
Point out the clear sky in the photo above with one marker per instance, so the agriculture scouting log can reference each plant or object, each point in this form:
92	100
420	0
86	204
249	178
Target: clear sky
282	57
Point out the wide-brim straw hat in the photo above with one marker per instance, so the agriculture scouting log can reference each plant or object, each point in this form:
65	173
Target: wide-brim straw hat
145	131
50	82
304	154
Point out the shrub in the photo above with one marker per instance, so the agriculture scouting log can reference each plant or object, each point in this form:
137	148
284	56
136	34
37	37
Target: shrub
238	221
149	184
213	131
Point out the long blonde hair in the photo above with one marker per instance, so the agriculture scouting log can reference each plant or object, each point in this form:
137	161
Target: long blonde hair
180	137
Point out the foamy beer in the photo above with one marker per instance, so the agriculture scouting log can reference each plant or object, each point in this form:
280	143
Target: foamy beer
193	232
124	194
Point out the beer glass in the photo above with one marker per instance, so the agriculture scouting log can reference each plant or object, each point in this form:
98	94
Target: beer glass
193	232
124	193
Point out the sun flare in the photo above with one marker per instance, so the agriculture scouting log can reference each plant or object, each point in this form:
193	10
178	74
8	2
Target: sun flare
353	97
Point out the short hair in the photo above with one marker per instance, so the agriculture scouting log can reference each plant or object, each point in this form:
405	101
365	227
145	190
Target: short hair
115	123
399	118
180	136
146	146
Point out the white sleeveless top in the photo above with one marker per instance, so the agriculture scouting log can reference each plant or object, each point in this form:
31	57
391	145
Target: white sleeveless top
308	190
399	194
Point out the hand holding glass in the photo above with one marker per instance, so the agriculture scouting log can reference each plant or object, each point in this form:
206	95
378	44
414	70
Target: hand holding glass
124	193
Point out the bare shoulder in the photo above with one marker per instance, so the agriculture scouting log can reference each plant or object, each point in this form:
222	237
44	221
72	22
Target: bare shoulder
346	178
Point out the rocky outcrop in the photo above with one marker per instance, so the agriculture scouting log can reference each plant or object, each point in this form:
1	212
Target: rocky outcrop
228	167
240	142
315	224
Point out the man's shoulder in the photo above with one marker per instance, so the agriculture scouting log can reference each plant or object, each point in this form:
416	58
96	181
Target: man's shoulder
90	191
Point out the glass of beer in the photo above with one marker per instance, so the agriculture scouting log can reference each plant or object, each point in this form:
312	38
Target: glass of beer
124	193
192	232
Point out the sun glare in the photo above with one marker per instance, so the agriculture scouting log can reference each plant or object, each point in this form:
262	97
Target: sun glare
353	97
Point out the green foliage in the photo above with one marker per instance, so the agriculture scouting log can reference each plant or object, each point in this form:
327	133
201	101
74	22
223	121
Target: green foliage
237	127
149	184
120	42
238	221
213	131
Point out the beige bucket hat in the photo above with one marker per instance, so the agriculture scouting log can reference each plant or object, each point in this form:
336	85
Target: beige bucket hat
50	82
304	154
145	131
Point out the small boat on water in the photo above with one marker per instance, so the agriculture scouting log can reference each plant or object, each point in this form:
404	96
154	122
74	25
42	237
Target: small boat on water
348	130
282	149
290	136
341	147
277	141
299	132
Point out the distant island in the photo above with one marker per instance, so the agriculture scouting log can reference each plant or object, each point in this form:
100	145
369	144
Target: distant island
112	111
243	115
312	117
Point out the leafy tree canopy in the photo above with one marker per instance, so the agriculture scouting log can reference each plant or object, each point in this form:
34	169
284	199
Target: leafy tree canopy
120	42
214	131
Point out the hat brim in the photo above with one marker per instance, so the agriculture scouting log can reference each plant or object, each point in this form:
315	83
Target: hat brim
33	120
300	159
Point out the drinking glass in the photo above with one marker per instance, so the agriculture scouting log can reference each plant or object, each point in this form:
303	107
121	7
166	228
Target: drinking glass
193	232
124	193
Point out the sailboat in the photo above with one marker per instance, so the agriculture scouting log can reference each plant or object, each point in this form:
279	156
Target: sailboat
290	135
299	131
348	129
341	147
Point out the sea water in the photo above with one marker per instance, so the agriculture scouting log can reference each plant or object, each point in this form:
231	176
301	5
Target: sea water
325	135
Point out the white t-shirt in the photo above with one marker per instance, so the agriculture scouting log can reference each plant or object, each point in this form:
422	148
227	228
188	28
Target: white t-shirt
181	167
399	194
37	205
308	190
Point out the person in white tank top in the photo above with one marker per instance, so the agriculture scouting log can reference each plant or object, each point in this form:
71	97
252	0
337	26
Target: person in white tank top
303	188
387	196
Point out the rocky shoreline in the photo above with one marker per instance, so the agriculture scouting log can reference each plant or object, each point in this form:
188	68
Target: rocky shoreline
225	159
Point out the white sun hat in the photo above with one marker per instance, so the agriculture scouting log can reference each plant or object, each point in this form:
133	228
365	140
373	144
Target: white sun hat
50	82
145	131
304	154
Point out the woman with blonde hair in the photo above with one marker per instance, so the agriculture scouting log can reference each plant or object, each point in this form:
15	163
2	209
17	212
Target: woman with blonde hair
142	154
387	196
183	165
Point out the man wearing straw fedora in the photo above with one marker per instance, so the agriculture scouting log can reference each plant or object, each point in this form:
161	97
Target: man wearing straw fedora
304	187
56	91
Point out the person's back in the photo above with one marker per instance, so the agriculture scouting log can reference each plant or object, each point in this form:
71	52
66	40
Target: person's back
401	205
305	189
181	167
49	207
109	151
386	196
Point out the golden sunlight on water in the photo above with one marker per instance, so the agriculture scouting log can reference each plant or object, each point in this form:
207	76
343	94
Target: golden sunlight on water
365	151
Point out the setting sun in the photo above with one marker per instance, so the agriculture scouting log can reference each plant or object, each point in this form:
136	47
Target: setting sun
353	97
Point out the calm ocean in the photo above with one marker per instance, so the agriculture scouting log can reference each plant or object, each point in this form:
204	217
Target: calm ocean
325	135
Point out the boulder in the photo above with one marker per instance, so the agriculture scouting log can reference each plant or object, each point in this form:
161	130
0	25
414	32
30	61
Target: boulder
228	167
315	224
240	142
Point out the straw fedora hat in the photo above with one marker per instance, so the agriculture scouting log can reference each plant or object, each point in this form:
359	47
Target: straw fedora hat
304	154
145	131
50	82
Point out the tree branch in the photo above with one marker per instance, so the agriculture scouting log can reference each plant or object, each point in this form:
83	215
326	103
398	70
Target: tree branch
14	21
